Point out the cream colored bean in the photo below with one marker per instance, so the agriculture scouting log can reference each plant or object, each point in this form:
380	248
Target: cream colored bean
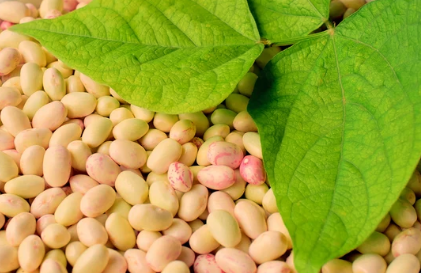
180	230
336	266
120	207
8	168
276	223
252	144
162	195
97	132
130	129
132	188
193	203
20	227
13	11
183	131
31	253
102	168
49	5
97	200
224	228
6	141
136	261
106	105
216	177
104	148
57	166
34	103
45	221
376	243
238	188
90	232
65	134
403	213
51	265
180	177
149	217
47	202
244	244
269	245
11	39
206	264
79	153
9	96
31	78
8	258
31	137
68	212
74	84
250	218
73	233
405	263
164	122
79	104
153	177
54	84
256	193
57	255
176	266
243	122
15	155
165	153
269	202
50	116
382	226
116	263
94	88
188	154
221	130
142	113
93	260
25	186
220	200
2	220
73	251
235	261
145	239
127	153
407	242
163	251
152	138
11	205
279	266
369	263
82	183
120	232
14	80
120	114
55	236
14	120
202	154
199	119
33	53
187	256
65	71
236	137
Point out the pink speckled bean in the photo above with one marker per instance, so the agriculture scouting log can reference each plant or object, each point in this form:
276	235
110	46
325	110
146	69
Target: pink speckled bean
9	57
234	261
180	177
102	168
206	264
163	251
225	153
5	25
136	261
47	202
216	177
57	166
82	183
252	170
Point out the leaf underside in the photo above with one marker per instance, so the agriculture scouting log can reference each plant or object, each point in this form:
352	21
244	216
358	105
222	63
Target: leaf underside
172	56
347	108
284	21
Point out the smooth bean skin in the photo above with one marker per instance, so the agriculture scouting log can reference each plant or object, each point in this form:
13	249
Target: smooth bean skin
31	253
145	239
47	202
237	102
65	134
243	122
132	188
97	132
102	169
31	161
93	260
220	200
13	11
52	266
120	207
79	153
91	232
54	84
221	130
50	116
252	170
377	243
251	141
276	267
164	122
97	200
74	84
180	230
8	168
180	177
57	255
162	195
14	120
136	261
55	236
216	177
8	258
142	113
206	264
116	262
199	119
226	154
268	246
149	217
11	39
187	256
176	266
407	242
269	202
11	205
188	154
404	263
120	232
163	251
130	129
68	212
251	220
73	251
202	241
127	153
256	193
337	266
369	263
152	138
79	104
202	153
224	228
57	166
6	141
165	153
20	227
403	213
82	183
9	96
183	131
193	203
94	88
9	60
30	137
235	261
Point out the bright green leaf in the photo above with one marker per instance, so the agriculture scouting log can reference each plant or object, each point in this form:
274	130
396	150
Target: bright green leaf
170	56
340	122
284	21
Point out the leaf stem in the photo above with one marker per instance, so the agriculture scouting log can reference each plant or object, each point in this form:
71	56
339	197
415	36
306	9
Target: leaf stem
298	39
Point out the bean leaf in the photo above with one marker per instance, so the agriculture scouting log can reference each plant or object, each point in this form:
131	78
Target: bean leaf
340	123
284	21
170	56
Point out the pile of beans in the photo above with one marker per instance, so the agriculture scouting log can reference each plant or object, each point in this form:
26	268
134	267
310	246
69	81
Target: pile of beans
90	183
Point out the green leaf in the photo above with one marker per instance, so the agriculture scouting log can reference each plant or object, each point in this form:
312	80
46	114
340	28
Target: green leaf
340	123
285	21
171	56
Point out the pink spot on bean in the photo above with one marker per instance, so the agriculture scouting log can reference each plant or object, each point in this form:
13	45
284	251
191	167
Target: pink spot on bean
216	177
180	177
252	170
226	154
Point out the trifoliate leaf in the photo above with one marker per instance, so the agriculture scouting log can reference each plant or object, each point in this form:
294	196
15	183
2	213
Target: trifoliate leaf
340	123
170	56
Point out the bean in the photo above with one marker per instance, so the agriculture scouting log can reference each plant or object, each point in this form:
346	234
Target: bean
193	203
11	39
6	141
102	168
2	220
116	263
106	105
94	88
44	221
131	187
65	134
202	154
163	251
32	53
79	153
251	220
176	266
348	12
276	223
221	130
130	129
152	138
404	263
73	251
31	253
195	224
82	183
206	264
235	261
97	132
220	200
237	189
246	84
237	102
145	239
188	154
51	265
120	232
355	4
74	84
50	116
336	9
267	54
97	200
31	77
55	236
268	246
164	122
54	84
57	255
149	217
225	153
162	195
37	100
180	177
252	144
90	232
47	202
49	5
20	226
278	266
384	223
8	258
376	243
414	183
11	205
50	57
243	122
14	120
13	80
120	207
165	153
127	153
153	177
216	177
93	260
120	114
8	168
79	104
337	266
408	195
180	230
183	131
407	242
57	166
369	263
31	137
256	193
68	212
136	261
64	70
224	228
142	113
9	96
13	11
25	186
269	202
403	213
